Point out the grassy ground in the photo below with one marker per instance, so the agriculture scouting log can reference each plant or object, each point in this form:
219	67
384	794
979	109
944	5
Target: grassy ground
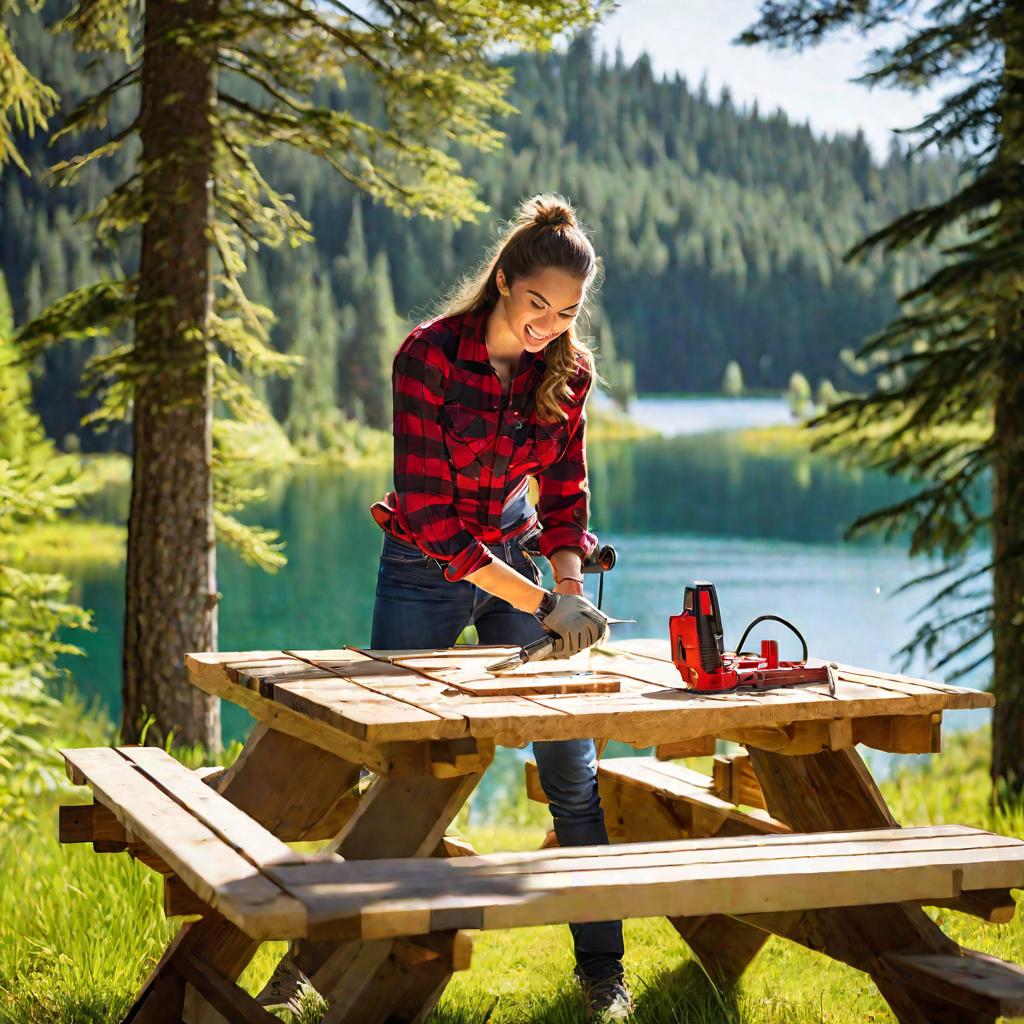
80	930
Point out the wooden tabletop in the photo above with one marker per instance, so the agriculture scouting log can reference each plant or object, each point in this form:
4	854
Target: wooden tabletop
387	697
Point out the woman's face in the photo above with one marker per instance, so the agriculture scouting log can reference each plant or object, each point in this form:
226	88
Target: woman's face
541	306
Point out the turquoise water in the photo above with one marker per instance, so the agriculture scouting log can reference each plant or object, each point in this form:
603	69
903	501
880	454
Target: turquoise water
765	528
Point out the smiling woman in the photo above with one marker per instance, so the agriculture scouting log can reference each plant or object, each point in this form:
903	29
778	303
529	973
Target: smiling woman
488	395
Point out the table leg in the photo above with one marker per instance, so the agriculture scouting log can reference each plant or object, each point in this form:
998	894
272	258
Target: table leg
832	790
270	781
403	815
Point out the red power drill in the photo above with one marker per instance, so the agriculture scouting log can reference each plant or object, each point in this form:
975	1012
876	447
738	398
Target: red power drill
698	650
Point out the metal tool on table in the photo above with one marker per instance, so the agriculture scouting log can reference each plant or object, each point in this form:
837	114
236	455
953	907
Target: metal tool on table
698	651
601	561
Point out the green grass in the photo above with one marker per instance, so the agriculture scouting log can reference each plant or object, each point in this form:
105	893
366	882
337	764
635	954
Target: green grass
79	930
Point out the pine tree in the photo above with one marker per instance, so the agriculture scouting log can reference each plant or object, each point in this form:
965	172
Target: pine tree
213	83
35	484
369	357
957	416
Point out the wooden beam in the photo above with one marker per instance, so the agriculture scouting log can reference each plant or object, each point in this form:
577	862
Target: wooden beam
260	783
996	906
89	823
901	734
733	779
700	746
234	1004
180	900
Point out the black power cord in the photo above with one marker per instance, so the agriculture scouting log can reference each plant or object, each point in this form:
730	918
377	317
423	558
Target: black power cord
773	618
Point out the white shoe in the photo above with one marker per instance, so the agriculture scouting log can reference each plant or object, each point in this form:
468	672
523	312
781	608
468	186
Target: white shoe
285	985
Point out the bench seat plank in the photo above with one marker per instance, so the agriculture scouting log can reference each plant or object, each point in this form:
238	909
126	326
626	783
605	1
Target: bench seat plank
742	875
213	868
673	782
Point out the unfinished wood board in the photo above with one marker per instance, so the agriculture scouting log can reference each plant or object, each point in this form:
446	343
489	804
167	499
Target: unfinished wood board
766	873
513	686
215	871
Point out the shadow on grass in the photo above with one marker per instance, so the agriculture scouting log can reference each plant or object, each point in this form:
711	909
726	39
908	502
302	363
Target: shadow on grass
685	995
682	996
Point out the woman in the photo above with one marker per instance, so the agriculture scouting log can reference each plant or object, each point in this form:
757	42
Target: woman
487	395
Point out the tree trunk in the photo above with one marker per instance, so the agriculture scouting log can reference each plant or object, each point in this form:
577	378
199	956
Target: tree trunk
170	591
1008	470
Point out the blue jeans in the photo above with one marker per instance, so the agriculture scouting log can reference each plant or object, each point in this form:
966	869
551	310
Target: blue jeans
417	607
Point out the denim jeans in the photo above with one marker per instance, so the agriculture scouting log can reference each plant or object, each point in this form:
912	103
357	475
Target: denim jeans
417	607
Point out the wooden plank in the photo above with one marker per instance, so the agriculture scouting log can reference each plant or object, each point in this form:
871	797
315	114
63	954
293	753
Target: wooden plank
206	672
733	779
213	870
912	684
800	851
396	898
232	825
516	686
339	702
979	983
394	682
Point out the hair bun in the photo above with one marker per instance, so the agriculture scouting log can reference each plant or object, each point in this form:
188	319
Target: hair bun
552	211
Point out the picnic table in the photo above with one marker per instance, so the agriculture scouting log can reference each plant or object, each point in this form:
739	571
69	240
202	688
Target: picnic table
791	838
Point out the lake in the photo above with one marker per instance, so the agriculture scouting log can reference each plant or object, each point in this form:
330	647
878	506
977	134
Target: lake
765	527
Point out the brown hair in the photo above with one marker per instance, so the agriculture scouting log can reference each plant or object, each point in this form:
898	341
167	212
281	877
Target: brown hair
544	233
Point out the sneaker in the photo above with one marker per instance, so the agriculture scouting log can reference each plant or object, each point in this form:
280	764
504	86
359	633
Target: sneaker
285	985
606	999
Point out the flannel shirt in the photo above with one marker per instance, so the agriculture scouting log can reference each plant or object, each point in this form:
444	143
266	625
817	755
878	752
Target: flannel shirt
462	453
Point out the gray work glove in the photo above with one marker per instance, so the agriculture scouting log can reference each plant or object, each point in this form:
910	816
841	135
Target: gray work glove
574	621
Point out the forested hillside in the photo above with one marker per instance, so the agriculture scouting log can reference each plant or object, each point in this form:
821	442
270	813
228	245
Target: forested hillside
722	232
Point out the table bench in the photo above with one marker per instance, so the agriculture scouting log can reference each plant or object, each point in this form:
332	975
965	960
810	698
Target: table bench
382	947
233	865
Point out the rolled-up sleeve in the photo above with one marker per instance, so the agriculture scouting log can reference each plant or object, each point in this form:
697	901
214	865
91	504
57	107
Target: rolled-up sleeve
423	482
563	505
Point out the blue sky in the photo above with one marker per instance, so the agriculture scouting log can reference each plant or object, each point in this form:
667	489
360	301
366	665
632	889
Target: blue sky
694	36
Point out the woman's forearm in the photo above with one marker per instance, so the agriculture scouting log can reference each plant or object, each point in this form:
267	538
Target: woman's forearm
566	562
498	579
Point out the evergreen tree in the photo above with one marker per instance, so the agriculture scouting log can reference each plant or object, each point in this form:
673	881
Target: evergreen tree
35	484
213	83
956	416
370	354
707	180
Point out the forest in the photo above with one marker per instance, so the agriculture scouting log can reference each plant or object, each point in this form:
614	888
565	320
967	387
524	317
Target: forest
722	232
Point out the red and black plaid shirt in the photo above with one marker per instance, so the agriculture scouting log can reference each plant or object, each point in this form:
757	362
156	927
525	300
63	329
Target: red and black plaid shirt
462	453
